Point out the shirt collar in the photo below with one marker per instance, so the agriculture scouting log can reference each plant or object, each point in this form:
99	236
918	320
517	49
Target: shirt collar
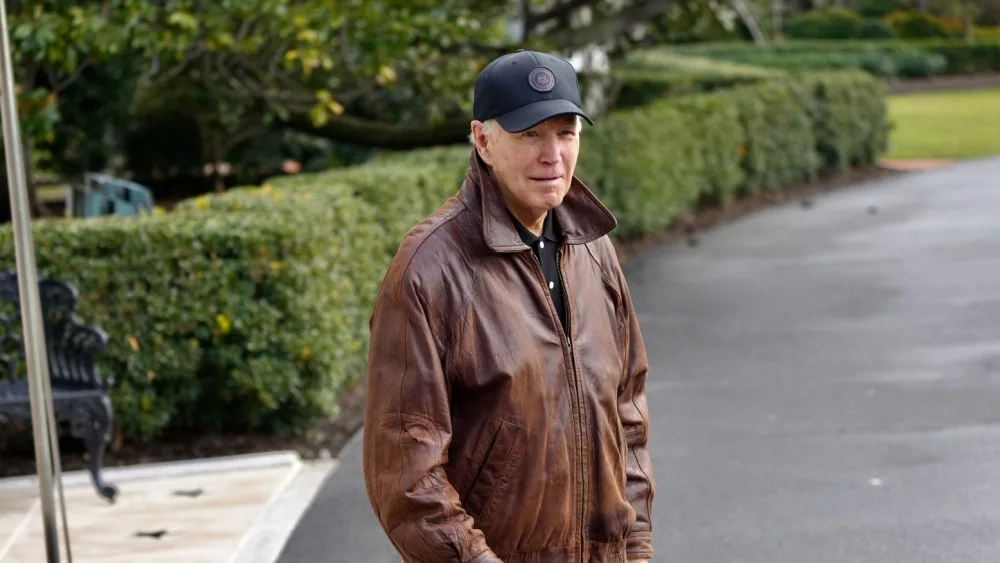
550	229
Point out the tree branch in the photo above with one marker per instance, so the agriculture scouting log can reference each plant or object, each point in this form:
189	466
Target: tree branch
607	27
557	12
58	87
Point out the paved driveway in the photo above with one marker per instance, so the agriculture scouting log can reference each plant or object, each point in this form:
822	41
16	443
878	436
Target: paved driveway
825	385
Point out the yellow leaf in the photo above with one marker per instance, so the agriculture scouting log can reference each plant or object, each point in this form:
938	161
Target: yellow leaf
201	202
308	35
306	353
335	108
276	266
147	403
291	55
222	321
386	76
133	343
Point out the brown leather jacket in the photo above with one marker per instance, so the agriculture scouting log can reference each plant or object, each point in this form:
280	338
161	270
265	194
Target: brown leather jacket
490	435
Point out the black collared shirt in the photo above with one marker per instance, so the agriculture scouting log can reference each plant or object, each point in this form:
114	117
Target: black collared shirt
546	249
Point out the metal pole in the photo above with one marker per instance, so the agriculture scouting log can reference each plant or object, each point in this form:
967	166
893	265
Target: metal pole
31	310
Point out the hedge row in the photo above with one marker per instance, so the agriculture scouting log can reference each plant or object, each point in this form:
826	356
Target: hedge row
884	58
249	309
646	75
838	23
654	163
246	319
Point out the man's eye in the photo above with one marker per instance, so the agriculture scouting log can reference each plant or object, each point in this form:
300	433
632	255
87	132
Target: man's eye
531	134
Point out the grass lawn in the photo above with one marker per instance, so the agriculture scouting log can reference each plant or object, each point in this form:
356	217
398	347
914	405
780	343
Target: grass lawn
951	125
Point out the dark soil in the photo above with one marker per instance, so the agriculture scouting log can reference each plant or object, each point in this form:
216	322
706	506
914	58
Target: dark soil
940	83
329	436
326	439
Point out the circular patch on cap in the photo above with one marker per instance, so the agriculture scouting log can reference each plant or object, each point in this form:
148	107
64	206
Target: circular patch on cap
542	79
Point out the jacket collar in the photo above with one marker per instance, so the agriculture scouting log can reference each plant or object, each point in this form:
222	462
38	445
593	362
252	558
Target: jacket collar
582	217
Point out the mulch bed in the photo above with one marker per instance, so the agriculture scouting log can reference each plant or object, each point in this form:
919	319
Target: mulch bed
941	83
328	438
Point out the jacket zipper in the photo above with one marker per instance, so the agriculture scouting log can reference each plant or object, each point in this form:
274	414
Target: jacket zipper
568	342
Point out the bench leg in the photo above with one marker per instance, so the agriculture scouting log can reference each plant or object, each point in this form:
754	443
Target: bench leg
91	421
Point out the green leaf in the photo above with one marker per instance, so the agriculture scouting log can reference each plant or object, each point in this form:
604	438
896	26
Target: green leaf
184	20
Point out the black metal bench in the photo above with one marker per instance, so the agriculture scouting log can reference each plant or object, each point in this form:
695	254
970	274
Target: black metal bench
79	394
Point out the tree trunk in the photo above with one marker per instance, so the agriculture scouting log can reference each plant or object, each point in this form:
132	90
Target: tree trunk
777	19
748	20
35	205
220	183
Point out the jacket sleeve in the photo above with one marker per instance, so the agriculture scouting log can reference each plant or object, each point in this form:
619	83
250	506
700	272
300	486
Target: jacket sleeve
640	485
407	431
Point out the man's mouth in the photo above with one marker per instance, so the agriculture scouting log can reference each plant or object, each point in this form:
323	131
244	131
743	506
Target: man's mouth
546	178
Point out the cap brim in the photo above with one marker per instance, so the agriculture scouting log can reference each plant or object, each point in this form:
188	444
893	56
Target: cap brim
528	116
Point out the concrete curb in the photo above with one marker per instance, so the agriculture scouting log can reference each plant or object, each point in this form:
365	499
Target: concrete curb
165	469
266	540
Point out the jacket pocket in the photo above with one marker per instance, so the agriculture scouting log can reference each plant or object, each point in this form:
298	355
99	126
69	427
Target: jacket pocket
494	470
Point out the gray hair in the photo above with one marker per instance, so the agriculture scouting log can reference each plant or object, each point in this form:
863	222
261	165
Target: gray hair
491	127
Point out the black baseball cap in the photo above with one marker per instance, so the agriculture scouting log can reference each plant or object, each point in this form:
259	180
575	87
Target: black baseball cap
522	89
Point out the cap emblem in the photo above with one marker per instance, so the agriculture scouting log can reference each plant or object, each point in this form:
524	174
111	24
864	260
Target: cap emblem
542	79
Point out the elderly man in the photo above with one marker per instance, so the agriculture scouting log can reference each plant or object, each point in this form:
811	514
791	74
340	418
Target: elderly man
506	416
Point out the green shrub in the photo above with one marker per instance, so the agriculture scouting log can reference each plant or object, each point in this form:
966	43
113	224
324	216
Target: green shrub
967	58
780	146
914	64
244	320
888	58
876	29
648	165
647	75
919	25
830	23
849	118
401	187
987	33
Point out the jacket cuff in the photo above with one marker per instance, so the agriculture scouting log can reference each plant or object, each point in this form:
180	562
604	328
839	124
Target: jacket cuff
639	545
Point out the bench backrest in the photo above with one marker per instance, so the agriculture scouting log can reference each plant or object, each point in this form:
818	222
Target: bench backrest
72	347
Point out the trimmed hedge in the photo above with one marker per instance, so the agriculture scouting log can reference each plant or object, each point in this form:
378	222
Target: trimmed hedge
249	309
829	23
245	319
652	164
908	58
647	75
909	24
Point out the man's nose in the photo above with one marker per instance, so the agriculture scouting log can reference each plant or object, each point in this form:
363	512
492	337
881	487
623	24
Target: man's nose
550	152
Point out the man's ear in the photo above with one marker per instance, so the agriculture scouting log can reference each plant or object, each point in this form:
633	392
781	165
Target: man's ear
482	142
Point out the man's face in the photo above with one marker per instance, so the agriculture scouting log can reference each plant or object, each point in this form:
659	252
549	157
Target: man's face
534	167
